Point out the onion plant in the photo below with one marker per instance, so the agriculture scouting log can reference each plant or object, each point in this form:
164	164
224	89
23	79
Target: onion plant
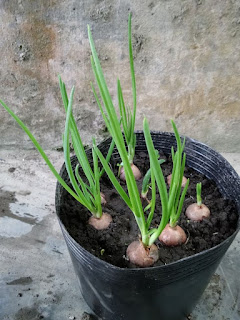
87	193
173	234
179	160
171	200
111	119
171	203
198	211
128	116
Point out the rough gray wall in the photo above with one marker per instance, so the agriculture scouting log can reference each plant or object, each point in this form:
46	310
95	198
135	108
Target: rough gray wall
187	61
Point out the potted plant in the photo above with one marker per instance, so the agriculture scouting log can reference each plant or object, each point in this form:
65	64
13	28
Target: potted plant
138	285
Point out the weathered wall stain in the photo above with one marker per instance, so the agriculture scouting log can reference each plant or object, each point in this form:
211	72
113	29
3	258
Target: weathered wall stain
41	39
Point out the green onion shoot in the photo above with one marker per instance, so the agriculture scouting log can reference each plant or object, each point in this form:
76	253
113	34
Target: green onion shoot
173	234
169	177
87	193
146	182
128	116
199	191
169	232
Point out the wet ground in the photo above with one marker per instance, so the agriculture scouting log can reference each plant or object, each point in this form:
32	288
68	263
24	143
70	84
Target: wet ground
37	280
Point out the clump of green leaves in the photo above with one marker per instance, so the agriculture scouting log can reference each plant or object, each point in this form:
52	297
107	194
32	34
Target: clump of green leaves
179	160
172	202
111	119
87	193
128	116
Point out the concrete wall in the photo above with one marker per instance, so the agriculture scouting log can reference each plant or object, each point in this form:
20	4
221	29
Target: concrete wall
187	61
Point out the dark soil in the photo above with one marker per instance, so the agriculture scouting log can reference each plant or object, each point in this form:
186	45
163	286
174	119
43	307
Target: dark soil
110	245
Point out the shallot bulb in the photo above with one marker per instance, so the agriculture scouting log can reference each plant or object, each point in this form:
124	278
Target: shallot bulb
136	172
197	212
173	236
100	223
142	256
169	178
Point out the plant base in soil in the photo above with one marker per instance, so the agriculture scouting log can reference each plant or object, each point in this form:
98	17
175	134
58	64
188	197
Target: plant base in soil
111	244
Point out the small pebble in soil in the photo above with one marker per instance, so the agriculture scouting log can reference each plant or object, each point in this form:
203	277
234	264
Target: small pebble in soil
11	169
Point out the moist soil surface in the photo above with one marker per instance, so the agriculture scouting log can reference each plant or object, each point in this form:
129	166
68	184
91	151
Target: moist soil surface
111	244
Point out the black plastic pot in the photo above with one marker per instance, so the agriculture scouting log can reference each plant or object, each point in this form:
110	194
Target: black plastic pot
167	292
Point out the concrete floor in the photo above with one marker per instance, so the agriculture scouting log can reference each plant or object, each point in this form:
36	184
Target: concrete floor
37	280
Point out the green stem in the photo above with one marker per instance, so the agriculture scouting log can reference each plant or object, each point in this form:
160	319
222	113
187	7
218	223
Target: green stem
153	201
43	154
132	68
199	191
